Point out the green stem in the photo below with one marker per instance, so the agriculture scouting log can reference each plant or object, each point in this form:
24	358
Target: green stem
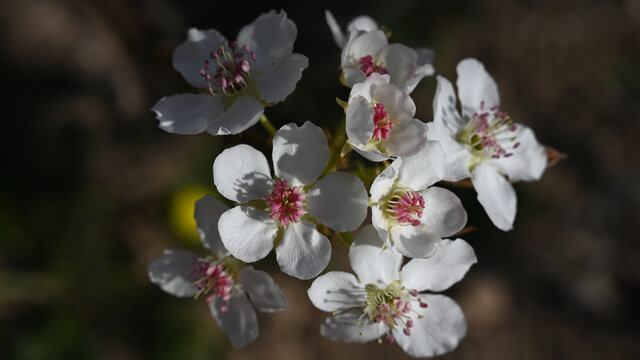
339	139
267	125
348	238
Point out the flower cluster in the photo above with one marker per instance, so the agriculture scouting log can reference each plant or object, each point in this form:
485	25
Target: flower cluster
301	203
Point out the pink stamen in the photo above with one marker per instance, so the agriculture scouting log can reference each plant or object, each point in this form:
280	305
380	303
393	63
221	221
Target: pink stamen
214	280
486	126
409	207
232	69
286	203
390	339
368	67
382	124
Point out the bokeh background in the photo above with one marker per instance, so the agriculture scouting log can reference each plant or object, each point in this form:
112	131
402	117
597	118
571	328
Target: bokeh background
91	190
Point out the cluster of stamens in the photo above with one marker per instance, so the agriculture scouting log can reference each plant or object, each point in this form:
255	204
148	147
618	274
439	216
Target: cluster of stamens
213	278
391	306
487	131
405	206
382	123
228	71
368	66
286	203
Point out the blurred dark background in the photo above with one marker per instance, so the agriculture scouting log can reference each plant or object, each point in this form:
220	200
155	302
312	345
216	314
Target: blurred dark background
91	190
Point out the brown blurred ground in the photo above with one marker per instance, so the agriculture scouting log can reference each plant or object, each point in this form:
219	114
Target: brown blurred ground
88	180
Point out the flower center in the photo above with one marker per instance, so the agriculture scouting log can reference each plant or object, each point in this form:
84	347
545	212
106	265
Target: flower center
213	277
368	66
391	306
404	206
382	124
228	71
286	203
488	132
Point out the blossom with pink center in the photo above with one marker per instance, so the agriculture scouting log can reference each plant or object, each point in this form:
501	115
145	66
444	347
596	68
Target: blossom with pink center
232	291
410	215
237	80
394	303
284	209
286	203
379	120
484	143
367	52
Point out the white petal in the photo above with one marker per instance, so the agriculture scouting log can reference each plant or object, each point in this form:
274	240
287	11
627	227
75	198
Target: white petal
439	332
414	241
402	63
207	213
338	35
457	156
172	272
423	168
362	23
241	174
528	161
281	79
187	114
365	43
397	104
300	154
239	322
342	327
496	195
443	212
247	233
303	252
382	183
270	36
444	107
447	266
370	153
243	113
264	293
339	200
359	123
475	85
336	291
407	138
370	262
418	74
189	57
353	75
368	86
425	56
380	224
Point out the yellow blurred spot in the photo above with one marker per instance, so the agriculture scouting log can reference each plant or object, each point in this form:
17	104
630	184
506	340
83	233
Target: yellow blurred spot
181	211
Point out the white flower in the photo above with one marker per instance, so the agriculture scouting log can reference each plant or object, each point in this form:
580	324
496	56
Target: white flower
368	52
237	80
232	294
282	210
484	143
408	214
390	303
359	23
380	122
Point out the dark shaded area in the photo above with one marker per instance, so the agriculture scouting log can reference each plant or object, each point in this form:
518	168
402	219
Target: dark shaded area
88	181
